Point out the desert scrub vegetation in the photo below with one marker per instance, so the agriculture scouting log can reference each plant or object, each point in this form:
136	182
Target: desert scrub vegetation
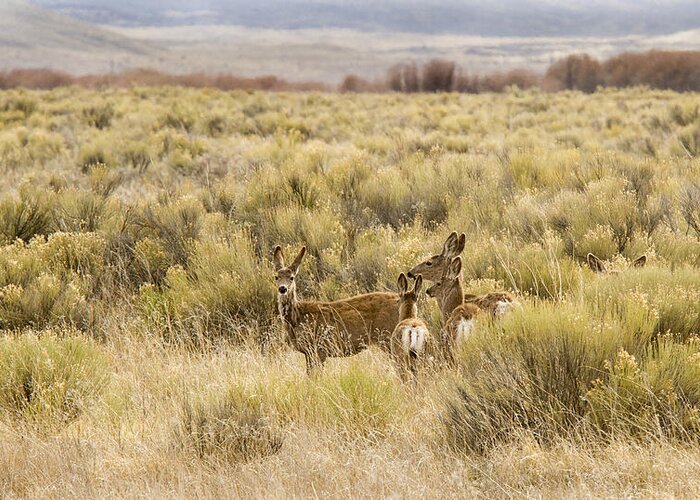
50	378
228	428
141	352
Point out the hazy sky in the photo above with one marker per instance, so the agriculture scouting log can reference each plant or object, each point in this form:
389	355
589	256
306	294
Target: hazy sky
466	17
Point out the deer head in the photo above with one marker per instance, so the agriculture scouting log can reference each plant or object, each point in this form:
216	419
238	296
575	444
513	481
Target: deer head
284	275
408	300
434	267
598	266
448	289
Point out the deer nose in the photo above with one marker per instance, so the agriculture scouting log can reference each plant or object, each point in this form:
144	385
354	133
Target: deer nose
282	289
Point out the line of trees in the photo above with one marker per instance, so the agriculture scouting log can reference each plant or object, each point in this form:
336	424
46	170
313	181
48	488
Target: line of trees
660	69
439	75
674	70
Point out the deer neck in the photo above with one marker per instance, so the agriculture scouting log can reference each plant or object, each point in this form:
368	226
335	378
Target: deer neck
453	297
288	306
407	310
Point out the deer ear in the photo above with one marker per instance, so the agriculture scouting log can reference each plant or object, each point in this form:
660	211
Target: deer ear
278	258
297	260
449	249
461	242
418	284
640	261
595	263
402	284
454	268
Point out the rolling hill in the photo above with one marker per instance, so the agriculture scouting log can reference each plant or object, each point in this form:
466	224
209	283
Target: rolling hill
32	36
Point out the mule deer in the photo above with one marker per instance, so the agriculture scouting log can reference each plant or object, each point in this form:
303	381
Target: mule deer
598	266
449	294
458	327
433	268
411	340
331	329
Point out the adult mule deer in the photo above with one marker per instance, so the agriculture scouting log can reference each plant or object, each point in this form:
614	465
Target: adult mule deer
433	267
331	329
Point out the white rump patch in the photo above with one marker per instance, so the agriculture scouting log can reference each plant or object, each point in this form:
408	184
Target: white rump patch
502	307
413	339
464	328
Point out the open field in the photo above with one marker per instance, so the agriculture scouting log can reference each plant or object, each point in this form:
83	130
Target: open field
141	353
328	55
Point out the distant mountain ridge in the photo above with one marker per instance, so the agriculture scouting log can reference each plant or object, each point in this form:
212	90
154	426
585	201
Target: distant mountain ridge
468	17
319	40
23	24
32	36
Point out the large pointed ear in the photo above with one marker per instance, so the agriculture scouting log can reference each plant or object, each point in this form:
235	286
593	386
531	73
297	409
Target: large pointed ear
402	284
595	263
640	261
297	260
461	242
278	258
454	268
450	247
418	284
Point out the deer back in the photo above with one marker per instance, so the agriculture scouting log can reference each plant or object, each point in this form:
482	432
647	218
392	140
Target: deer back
495	303
459	325
348	326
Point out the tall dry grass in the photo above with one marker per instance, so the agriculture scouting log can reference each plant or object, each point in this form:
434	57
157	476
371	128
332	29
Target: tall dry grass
141	354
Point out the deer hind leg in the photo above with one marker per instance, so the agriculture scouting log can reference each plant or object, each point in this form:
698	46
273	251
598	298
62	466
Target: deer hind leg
314	362
400	362
413	366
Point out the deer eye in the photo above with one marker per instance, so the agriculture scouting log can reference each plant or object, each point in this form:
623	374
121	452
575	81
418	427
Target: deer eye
428	263
291	278
277	278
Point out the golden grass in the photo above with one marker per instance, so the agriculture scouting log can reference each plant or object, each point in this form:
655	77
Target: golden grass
124	446
137	225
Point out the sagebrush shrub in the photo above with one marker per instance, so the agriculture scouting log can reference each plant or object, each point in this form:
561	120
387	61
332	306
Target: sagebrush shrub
29	216
50	377
651	401
230	428
531	378
99	116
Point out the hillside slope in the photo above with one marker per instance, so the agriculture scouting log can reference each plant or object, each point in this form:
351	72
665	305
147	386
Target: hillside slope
32	36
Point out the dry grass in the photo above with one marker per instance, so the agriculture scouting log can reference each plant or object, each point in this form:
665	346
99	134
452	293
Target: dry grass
124	447
136	293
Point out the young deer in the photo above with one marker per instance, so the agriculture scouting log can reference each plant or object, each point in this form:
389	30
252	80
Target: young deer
458	327
449	294
331	329
598	266
410	341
